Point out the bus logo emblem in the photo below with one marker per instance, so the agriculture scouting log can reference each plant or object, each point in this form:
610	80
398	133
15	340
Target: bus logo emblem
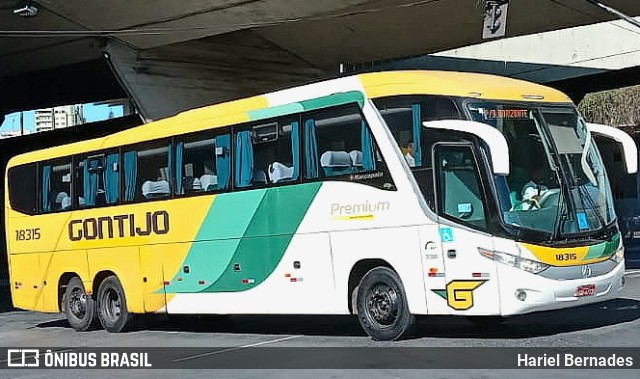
586	271
459	293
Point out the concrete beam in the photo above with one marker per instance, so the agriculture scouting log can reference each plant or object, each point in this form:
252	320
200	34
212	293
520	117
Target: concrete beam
170	79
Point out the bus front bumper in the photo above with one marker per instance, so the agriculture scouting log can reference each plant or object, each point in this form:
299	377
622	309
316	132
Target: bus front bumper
521	292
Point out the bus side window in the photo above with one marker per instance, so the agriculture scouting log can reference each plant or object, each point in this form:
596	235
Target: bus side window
338	142
97	180
22	188
56	185
147	173
203	163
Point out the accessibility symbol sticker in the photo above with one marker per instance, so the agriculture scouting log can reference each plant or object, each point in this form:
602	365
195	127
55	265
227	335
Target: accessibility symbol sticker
446	234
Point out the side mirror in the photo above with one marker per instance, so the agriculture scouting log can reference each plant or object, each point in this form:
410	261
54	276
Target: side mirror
629	148
498	147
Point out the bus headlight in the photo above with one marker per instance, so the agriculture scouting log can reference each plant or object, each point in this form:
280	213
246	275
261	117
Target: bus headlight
619	255
525	264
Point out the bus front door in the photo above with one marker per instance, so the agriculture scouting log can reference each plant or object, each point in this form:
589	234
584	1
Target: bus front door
471	283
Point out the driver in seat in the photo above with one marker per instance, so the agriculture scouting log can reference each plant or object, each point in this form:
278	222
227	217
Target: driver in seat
533	190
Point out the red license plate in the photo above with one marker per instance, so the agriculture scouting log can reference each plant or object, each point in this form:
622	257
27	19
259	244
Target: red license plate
586	290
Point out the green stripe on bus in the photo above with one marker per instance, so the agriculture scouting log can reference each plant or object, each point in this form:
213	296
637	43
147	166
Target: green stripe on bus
333	100
243	237
217	240
280	110
307	105
604	249
267	237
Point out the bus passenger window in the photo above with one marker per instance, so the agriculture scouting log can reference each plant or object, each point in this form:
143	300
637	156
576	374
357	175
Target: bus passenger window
97	180
339	142
22	188
56	185
267	154
203	164
146	173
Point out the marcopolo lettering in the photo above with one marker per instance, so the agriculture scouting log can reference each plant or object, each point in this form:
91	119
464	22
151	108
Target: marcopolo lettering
119	226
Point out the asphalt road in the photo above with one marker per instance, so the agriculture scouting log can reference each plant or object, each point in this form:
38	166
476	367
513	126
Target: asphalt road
611	324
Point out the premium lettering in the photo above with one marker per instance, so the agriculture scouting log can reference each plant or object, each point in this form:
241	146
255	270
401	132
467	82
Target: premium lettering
119	226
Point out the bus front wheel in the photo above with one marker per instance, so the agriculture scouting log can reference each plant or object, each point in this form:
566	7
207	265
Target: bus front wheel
382	305
112	306
79	307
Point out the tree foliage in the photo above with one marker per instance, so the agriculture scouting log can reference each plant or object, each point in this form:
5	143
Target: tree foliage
618	107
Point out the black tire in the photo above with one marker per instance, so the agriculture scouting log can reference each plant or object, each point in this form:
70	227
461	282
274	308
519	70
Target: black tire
112	306
381	306
79	307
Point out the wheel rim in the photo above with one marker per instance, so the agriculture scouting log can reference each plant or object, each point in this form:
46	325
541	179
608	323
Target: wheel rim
78	303
111	305
383	304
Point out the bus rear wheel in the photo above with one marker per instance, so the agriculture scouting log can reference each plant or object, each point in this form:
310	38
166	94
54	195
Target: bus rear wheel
382	305
79	308
112	306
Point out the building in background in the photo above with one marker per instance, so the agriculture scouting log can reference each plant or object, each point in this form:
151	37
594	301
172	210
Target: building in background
58	117
11	133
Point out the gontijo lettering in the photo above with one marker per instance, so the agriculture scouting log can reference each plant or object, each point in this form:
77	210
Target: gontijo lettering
119	226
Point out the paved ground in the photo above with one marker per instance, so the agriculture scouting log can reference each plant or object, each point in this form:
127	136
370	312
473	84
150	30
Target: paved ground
614	323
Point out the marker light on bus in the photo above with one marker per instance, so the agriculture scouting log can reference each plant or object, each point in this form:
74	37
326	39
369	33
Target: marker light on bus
619	255
525	264
533	97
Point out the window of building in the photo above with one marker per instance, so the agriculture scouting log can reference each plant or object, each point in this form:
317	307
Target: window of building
56	185
203	163
147	172
338	142
22	188
267	153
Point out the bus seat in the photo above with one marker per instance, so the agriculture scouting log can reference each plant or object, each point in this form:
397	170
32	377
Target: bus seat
356	158
280	172
259	177
208	182
154	189
66	203
335	163
62	199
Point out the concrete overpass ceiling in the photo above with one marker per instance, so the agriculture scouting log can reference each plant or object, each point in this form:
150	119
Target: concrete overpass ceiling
322	32
211	51
424	27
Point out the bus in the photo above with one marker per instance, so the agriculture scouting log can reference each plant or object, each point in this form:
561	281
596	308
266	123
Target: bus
385	195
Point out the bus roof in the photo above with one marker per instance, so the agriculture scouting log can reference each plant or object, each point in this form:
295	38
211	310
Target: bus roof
372	85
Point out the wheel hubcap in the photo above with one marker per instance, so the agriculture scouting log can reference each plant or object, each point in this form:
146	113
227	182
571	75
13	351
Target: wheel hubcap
111	305
382	304
78	303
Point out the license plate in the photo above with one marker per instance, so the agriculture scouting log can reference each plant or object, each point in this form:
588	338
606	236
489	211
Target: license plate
586	290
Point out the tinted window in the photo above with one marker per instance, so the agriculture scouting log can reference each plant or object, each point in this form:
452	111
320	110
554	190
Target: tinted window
203	163
404	117
146	172
267	153
459	187
56	185
339	142
97	180
22	188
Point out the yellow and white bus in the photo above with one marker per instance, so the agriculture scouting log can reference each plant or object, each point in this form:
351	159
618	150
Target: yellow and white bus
386	195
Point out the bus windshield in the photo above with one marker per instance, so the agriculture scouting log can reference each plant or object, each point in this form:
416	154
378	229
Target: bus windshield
557	183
